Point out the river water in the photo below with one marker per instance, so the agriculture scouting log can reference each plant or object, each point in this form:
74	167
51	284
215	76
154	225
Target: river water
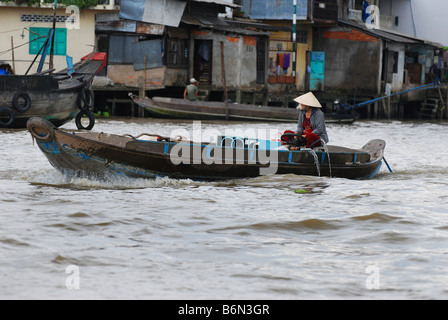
276	237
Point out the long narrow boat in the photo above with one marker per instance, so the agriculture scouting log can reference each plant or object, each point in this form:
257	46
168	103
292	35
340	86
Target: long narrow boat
98	155
58	97
161	107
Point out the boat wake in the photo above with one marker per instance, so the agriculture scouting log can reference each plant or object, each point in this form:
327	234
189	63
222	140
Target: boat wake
56	179
412	173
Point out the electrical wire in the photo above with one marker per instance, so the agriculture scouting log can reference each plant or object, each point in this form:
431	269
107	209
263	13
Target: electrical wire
21	45
1	32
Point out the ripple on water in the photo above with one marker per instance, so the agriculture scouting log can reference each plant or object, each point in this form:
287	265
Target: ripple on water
281	236
376	217
14	242
303	225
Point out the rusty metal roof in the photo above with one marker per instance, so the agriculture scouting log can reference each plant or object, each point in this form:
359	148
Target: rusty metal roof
380	33
220	25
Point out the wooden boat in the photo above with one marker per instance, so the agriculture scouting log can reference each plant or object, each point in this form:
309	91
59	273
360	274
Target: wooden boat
99	155
173	108
58	97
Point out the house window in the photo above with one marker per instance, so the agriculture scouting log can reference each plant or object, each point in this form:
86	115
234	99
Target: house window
261	60
120	49
176	52
302	36
129	50
203	9
45	18
39	35
325	9
357	4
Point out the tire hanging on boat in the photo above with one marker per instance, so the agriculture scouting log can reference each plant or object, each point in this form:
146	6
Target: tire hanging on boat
10	117
85	99
80	115
16	102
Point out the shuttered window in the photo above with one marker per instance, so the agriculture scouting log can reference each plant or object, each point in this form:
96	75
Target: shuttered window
128	50
176	52
39	35
261	60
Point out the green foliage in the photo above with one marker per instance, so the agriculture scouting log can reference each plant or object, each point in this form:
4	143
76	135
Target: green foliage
81	4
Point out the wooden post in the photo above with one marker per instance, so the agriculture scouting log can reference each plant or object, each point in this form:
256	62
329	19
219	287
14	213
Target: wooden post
54	36
144	77
142	92
13	59
446	109
223	72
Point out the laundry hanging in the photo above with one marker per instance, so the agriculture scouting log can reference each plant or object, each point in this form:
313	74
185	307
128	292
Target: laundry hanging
283	63
286	62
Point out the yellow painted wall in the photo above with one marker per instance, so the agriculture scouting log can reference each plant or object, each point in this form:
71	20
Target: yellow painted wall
283	39
302	50
79	42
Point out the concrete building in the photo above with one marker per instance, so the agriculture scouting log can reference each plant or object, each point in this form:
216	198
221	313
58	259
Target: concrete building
349	53
412	17
294	65
179	40
23	28
405	62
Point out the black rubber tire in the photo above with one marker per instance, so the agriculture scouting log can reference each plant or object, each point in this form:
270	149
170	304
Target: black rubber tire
78	120
85	99
16	104
11	115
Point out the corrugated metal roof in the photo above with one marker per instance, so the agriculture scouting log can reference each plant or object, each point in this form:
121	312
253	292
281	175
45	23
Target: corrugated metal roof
209	20
379	33
259	26
220	25
162	12
275	9
202	20
241	31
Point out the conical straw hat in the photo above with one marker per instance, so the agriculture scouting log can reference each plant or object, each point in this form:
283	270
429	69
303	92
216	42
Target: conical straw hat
308	99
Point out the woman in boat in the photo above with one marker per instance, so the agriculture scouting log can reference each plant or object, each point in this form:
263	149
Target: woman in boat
311	124
191	91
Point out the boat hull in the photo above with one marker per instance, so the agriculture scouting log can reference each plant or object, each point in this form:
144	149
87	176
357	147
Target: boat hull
56	107
58	97
101	155
172	108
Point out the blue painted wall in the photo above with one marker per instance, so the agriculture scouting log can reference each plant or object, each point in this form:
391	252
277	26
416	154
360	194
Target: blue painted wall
274	9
